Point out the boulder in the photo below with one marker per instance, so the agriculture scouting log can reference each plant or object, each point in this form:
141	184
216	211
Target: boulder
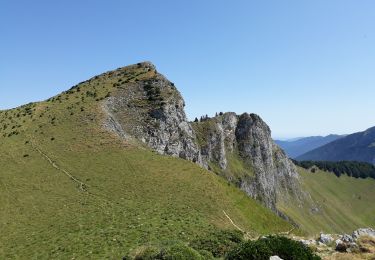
275	257
325	238
347	238
363	232
308	242
341	246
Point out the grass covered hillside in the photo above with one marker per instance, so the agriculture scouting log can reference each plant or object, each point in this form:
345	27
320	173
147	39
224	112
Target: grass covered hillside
71	189
342	204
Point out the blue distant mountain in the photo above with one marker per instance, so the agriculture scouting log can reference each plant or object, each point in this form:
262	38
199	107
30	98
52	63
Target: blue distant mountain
299	146
355	147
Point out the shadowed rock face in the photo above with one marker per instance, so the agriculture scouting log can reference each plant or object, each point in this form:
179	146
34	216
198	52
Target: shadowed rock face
151	110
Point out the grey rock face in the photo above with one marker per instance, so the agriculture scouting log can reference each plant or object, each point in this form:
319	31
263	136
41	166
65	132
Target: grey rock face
273	176
219	141
152	111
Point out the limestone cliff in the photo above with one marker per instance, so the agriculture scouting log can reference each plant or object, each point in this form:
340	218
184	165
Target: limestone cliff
243	151
240	148
151	110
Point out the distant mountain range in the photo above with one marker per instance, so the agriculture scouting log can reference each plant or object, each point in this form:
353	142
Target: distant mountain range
299	146
355	147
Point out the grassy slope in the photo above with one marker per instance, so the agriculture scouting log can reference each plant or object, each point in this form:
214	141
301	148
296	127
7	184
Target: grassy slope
133	196
345	203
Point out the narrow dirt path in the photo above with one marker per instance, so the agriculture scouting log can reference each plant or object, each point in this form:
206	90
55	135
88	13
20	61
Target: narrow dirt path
231	221
82	185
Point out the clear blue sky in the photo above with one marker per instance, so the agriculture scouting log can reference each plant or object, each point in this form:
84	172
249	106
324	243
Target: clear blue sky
306	67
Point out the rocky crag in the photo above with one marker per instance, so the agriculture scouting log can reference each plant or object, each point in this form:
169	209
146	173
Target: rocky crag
359	245
238	147
151	111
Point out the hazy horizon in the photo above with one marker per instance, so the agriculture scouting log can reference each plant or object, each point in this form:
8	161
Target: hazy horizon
305	71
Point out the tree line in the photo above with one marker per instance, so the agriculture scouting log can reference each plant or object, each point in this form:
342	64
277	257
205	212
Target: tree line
351	168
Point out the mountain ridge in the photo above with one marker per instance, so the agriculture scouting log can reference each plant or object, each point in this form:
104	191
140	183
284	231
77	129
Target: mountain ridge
141	183
131	195
354	147
152	111
303	145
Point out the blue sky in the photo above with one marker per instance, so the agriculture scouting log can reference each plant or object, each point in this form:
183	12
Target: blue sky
306	67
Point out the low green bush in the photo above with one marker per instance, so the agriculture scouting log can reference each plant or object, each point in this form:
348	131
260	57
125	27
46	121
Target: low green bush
218	242
264	248
181	252
177	251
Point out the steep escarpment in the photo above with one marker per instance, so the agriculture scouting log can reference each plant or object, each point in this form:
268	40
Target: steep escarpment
241	149
150	110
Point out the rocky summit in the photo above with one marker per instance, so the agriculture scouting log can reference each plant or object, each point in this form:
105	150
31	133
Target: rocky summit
238	147
151	110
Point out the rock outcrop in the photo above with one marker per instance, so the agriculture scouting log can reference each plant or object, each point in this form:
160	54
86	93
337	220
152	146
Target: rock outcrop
325	238
152	110
267	174
363	232
360	245
240	148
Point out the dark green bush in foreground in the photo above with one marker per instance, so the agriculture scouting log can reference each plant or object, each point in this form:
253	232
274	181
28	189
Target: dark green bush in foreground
218	242
264	248
173	252
228	244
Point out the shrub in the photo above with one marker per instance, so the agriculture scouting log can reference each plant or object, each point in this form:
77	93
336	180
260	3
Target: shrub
264	248
206	254
181	252
218	242
145	253
176	251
